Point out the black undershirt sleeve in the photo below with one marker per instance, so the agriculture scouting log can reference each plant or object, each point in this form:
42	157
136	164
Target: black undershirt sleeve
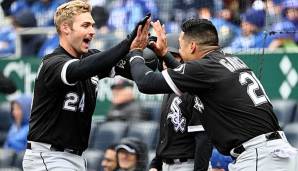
203	151
147	81
156	163
170	61
96	63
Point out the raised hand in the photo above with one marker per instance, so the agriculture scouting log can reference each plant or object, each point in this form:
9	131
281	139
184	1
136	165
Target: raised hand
141	39
160	47
142	23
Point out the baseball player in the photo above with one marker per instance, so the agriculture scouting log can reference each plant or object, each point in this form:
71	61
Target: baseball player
238	115
183	143
66	88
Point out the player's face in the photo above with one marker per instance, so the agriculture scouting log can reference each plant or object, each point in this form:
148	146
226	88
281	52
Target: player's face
82	33
184	47
109	162
126	160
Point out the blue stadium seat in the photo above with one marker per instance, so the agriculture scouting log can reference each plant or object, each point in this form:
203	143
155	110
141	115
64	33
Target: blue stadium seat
291	131
6	157
284	110
108	133
146	131
93	158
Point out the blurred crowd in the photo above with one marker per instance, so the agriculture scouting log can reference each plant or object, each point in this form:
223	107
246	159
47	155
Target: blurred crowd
241	24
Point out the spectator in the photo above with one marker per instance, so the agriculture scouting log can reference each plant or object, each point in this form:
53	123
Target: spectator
105	38
226	30
220	162
273	12
17	134
48	46
290	12
124	106
7	41
251	25
284	37
109	162
132	155
124	15
44	11
30	44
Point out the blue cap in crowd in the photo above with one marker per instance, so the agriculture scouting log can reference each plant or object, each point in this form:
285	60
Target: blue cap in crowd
255	17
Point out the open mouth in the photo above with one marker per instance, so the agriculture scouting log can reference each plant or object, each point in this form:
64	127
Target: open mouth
87	40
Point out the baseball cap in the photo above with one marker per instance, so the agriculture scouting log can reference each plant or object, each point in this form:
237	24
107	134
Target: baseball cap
127	148
173	42
121	83
255	17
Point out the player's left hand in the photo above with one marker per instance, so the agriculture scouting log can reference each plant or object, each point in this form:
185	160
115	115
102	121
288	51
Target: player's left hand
160	47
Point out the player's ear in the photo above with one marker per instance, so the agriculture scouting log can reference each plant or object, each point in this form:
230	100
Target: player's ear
193	47
64	27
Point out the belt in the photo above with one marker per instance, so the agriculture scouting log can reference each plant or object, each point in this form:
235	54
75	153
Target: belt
173	161
235	152
61	149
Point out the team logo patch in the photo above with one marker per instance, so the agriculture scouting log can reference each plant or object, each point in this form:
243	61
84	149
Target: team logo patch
176	117
198	104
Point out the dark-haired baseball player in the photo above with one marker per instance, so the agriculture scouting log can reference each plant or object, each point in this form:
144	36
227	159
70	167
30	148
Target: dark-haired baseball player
238	115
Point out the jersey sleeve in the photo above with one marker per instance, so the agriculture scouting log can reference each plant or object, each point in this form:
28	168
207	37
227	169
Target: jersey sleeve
54	71
188	77
195	108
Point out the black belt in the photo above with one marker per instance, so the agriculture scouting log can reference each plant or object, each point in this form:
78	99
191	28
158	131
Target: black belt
61	149
273	136
173	161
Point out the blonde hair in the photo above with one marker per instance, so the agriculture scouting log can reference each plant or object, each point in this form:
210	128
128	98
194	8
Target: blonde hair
67	11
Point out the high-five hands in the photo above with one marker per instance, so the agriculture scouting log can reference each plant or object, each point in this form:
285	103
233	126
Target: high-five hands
141	39
160	47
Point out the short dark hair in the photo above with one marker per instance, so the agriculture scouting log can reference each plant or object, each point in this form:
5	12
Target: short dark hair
111	147
202	30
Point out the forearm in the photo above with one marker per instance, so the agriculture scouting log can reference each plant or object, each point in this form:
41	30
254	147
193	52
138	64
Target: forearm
156	163
170	61
97	63
148	82
203	151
